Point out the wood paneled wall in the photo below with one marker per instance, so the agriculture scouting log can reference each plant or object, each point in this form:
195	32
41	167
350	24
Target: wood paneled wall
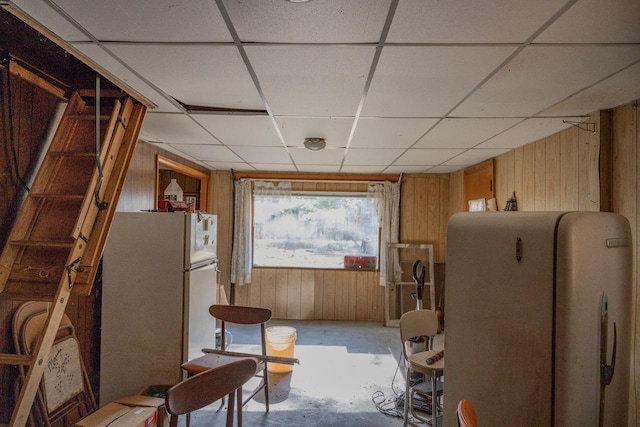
560	172
624	200
350	295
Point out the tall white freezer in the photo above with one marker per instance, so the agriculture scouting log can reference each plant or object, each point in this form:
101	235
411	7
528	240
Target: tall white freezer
535	304
159	279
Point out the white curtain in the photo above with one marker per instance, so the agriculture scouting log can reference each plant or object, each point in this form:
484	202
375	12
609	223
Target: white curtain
241	258
387	195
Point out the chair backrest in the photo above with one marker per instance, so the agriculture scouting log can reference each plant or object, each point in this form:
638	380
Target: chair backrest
466	414
65	391
206	387
240	314
417	323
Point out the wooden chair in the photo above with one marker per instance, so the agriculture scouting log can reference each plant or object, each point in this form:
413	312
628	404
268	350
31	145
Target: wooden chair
204	388
65	394
466	414
244	316
421	323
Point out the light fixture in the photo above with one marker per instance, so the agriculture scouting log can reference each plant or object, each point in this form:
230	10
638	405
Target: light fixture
315	144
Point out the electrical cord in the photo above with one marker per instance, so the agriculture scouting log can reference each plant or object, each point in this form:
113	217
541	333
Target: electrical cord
392	405
5	60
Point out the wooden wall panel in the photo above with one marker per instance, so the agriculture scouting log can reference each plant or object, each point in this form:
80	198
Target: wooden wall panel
560	172
425	210
456	192
552	162
570	169
625	198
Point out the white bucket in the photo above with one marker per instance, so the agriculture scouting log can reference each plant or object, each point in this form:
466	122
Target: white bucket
281	342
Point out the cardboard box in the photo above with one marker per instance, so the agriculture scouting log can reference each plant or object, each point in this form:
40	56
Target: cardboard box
118	415
151	402
159	392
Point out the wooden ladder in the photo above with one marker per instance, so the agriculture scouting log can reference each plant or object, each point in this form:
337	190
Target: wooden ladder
57	239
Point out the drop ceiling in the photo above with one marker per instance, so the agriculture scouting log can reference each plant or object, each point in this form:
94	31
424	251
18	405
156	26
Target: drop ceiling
394	86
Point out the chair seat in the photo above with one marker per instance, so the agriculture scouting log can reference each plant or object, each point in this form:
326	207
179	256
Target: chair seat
418	362
208	361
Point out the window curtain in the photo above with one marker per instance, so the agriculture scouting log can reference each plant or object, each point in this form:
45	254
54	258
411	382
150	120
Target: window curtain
242	256
387	195
242	251
266	188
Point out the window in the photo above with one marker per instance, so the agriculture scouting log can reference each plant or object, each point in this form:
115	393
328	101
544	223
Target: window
315	230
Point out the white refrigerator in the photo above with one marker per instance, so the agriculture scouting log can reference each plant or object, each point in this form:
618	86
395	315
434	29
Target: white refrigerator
159	279
538	306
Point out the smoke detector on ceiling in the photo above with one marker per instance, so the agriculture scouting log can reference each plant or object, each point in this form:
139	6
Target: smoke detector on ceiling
315	144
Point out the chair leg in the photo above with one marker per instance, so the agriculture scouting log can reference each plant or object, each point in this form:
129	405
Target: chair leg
230	409
407	401
266	387
239	399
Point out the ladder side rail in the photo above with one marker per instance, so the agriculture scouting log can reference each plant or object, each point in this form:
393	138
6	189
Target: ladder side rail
113	188
43	348
89	208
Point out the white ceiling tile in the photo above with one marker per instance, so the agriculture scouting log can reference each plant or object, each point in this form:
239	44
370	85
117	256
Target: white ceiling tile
372	156
389	132
274	167
175	129
318	21
463	133
45	15
596	21
426	156
230	165
334	130
149	20
312	80
262	154
302	156
363	169
321	168
475	156
212	76
102	58
240	130
421	81
208	153
444	169
406	169
543	75
170	148
464	21
528	131
620	89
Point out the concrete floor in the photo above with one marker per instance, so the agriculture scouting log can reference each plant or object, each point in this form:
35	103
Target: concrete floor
344	367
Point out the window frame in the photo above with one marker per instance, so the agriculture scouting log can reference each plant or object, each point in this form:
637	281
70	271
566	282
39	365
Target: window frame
325	193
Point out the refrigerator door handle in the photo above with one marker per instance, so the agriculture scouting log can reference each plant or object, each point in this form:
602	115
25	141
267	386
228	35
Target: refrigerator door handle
606	371
200	264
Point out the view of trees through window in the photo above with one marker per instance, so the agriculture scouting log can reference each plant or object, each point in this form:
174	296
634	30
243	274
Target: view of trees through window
315	231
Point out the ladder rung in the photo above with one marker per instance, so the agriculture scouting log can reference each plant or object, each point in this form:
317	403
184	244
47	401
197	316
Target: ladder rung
43	243
57	196
86	117
72	154
15	359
